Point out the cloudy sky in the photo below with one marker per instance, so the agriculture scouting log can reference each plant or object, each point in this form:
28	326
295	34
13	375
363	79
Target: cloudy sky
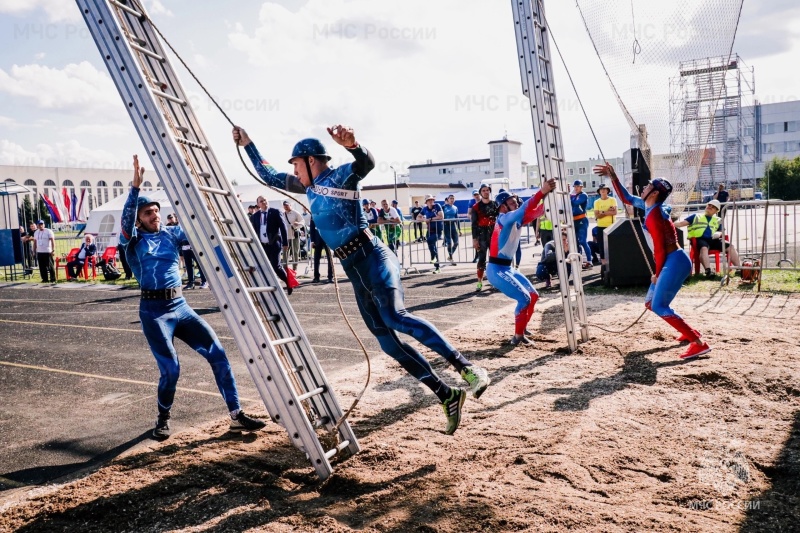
416	79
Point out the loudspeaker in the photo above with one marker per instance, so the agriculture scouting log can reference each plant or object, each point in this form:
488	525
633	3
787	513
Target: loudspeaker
640	176
626	265
10	247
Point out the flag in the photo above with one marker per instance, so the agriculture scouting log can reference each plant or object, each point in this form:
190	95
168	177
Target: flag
57	202
83	207
73	215
67	205
54	214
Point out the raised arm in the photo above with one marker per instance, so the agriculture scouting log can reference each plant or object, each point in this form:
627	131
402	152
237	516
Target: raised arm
344	136
279	180
129	210
626	197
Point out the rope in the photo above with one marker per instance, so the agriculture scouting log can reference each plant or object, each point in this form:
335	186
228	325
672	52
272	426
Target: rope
280	191
637	48
597	142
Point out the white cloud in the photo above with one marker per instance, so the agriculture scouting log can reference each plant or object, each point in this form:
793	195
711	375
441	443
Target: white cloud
64	154
76	89
56	10
157	8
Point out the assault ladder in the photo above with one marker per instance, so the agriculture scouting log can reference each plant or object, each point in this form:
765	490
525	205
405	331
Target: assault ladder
274	346
536	70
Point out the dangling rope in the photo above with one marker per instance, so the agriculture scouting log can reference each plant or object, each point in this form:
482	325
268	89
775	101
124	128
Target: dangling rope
637	48
591	128
347	413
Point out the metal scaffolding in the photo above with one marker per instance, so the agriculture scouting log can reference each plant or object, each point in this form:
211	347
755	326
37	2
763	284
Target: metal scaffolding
712	121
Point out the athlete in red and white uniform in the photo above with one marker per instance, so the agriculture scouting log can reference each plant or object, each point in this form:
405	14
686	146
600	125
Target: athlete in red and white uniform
673	265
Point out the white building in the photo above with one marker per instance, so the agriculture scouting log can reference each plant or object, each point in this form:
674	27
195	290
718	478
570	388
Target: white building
101	185
580	170
775	133
504	163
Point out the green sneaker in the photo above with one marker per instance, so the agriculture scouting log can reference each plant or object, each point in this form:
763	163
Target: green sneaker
479	286
477	378
452	409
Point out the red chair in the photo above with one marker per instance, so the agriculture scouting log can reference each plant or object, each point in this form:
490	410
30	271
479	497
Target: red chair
695	255
70	257
110	256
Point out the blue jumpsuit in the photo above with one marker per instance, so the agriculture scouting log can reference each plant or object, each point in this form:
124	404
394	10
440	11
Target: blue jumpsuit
153	258
504	244
373	270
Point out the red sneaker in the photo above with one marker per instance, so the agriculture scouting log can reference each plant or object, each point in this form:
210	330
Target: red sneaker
695	350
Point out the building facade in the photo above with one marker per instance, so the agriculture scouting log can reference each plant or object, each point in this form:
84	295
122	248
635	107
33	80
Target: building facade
504	165
101	185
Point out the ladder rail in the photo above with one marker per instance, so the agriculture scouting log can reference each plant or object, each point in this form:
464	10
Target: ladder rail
282	374
537	84
207	160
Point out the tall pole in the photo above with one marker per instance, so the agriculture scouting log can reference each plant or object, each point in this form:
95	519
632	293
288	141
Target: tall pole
395	181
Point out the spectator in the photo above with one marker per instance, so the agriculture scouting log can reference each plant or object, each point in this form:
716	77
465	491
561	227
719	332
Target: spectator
605	211
548	265
452	230
544	229
318	244
484	213
389	218
172	220
271	231
44	245
251	209
707	230
27	240
87	252
431	213
306	237
153	253
371	267
189	260
476	197
722	197
505	241
124	262
294	222
415	211
579	200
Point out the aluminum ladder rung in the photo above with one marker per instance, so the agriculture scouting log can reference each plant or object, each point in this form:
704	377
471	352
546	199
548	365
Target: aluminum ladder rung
542	58
306	396
126	8
213	190
171	98
246	240
554	158
341	446
554	126
287	340
147	52
182	129
297	369
256	290
193	144
133	37
226	221
204	175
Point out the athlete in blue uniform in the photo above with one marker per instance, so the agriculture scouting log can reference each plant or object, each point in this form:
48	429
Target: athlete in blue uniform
333	195
505	241
152	251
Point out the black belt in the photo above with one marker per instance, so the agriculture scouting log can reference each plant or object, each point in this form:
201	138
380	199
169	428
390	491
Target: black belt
354	244
161	294
500	261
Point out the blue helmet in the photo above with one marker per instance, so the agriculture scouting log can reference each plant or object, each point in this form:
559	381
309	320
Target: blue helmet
577	183
309	148
663	187
144	201
502	197
474	192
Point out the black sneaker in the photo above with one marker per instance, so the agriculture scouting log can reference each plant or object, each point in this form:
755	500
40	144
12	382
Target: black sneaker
162	430
242	422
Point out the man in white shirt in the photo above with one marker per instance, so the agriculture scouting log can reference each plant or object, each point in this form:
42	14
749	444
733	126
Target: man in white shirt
389	218
44	245
294	222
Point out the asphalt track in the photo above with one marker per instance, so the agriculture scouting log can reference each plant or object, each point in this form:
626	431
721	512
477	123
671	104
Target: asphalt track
78	382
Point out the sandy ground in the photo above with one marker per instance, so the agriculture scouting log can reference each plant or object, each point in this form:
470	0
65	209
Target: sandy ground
619	436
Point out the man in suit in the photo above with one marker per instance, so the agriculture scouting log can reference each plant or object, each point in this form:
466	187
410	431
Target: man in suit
268	224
